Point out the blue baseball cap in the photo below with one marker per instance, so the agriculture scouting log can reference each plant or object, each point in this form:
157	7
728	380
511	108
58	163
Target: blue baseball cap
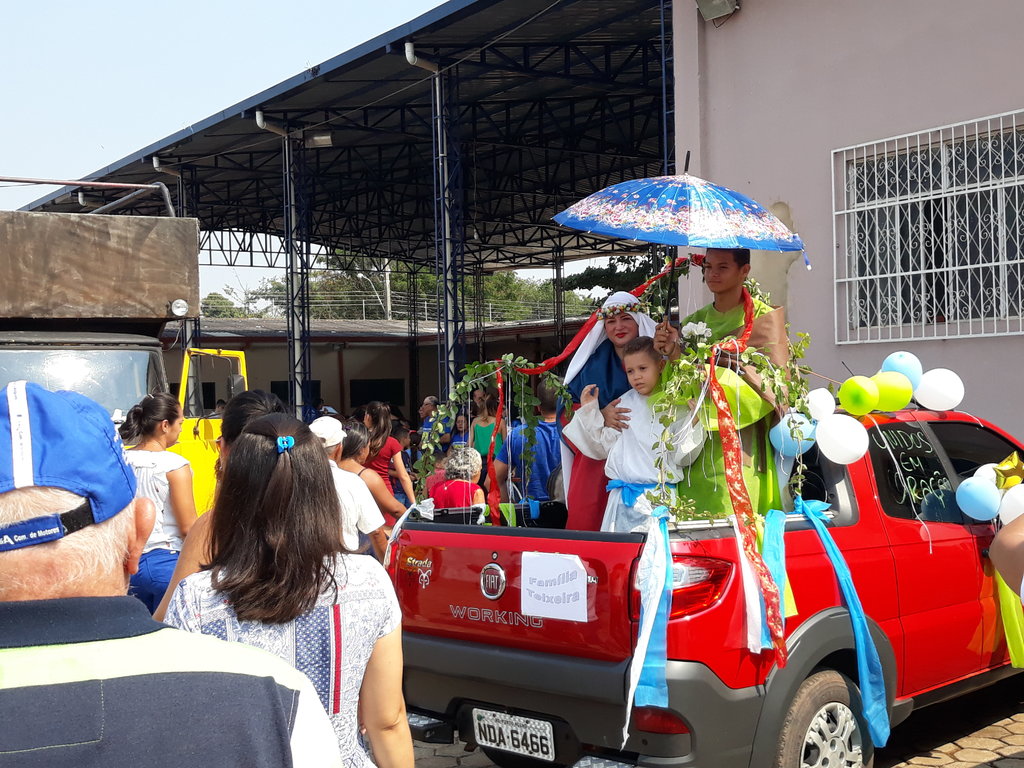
60	440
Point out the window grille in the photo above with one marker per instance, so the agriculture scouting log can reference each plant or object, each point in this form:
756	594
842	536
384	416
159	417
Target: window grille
929	232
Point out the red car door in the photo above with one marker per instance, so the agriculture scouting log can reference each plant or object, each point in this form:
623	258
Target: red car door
968	443
938	563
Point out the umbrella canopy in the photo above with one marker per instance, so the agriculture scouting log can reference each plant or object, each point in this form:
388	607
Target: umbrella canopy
680	210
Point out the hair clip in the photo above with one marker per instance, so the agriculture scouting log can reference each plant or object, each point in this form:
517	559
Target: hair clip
285	443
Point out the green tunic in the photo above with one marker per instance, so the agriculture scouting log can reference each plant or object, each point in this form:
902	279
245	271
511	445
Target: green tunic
705	479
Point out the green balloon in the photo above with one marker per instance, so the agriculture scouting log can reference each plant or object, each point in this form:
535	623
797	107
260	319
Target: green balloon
858	395
894	390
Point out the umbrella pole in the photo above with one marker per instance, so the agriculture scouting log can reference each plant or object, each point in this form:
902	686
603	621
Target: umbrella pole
672	285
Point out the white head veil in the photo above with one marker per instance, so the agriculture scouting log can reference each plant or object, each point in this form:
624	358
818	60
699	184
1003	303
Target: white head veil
597	334
587	348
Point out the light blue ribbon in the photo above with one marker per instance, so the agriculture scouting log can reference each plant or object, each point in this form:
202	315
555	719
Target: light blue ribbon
869	667
652	688
534	506
773	552
633	491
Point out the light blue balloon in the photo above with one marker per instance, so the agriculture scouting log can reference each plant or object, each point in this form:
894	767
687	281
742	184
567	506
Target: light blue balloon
905	363
781	435
978	498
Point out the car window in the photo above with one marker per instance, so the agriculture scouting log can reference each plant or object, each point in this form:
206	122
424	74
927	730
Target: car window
825	481
968	446
911	479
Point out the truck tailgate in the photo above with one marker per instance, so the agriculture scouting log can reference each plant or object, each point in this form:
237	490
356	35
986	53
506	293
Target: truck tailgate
445	589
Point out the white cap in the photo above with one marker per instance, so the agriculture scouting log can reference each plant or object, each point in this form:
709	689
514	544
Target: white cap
329	430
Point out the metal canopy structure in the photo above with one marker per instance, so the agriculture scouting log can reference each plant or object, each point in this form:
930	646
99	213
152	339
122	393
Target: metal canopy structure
446	144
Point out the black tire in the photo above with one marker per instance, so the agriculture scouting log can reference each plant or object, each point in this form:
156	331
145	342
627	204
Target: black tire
504	759
823	727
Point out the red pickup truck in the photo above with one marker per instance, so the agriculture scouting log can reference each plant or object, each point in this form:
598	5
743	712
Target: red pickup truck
538	691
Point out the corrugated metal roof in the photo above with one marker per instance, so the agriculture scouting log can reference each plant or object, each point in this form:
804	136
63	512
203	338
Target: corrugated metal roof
555	100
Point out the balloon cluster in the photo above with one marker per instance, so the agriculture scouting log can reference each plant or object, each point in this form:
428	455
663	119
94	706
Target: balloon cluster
841	438
994	490
901	379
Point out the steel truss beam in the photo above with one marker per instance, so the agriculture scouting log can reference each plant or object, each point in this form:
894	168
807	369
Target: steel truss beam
449	230
297	184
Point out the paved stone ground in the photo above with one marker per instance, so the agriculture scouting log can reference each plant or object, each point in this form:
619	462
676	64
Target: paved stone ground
982	730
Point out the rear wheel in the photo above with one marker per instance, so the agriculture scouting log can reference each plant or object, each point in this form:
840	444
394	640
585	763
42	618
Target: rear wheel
823	727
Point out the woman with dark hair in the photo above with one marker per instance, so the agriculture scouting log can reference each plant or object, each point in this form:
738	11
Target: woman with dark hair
281	579
240	410
355	449
385	451
151	427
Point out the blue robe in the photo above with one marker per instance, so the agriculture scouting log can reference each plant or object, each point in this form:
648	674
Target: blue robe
604	368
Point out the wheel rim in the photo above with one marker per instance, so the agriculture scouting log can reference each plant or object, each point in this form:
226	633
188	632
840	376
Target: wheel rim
833	739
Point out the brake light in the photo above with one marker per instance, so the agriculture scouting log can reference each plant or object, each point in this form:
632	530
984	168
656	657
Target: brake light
697	583
655	720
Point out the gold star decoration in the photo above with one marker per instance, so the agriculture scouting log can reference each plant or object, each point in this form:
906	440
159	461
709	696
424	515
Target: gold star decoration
1010	471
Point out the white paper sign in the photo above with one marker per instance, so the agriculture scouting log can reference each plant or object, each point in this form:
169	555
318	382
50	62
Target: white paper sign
553	586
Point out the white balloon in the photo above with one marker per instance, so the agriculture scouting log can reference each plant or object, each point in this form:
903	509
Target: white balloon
940	389
841	438
1012	505
820	403
986	472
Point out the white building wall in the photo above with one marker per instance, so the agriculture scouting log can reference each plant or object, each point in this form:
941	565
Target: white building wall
764	99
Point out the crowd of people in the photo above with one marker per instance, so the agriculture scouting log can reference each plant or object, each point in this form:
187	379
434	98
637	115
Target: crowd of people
287	561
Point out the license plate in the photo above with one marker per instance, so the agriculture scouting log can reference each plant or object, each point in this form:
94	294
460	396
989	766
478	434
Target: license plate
512	733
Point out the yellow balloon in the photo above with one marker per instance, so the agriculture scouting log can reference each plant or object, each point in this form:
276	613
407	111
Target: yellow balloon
894	390
1010	471
858	395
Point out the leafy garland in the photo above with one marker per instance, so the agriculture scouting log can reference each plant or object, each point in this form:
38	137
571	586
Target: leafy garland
686	376
518	389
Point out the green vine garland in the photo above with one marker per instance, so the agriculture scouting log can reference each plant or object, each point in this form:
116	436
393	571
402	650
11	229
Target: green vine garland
518	389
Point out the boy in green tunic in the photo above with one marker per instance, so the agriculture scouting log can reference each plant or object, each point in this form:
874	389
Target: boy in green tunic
752	407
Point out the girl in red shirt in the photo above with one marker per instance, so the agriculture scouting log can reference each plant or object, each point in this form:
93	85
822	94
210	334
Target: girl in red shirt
385	451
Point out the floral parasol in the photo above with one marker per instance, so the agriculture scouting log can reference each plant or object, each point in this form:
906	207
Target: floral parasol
680	210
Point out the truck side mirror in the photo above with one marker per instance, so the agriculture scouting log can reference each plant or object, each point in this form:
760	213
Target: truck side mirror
236	384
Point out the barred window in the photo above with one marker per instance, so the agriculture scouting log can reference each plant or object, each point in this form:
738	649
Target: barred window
929	230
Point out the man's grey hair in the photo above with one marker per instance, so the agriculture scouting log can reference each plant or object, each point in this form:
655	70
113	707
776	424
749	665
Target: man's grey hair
45	570
432	399
462	463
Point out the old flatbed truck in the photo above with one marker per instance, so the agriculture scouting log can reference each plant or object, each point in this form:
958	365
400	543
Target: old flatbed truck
83	300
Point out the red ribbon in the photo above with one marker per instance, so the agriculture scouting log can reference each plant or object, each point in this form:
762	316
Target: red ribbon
738	494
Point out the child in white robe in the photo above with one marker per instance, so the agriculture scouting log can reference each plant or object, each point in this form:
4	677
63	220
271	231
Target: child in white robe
630	454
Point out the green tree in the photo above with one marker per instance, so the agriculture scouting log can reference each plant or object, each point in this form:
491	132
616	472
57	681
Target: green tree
216	304
336	294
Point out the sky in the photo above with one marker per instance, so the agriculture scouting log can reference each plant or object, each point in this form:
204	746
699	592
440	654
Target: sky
86	84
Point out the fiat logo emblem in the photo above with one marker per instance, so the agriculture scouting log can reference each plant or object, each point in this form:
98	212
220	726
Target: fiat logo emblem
492	581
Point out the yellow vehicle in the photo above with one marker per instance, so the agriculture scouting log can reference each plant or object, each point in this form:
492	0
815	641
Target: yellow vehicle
200	434
83	300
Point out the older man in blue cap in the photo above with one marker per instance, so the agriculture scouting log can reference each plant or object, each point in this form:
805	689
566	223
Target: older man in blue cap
87	678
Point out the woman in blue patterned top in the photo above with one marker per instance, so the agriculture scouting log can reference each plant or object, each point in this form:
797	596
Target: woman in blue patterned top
280	579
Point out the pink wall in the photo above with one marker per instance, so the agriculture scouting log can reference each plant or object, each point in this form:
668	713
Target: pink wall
764	99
